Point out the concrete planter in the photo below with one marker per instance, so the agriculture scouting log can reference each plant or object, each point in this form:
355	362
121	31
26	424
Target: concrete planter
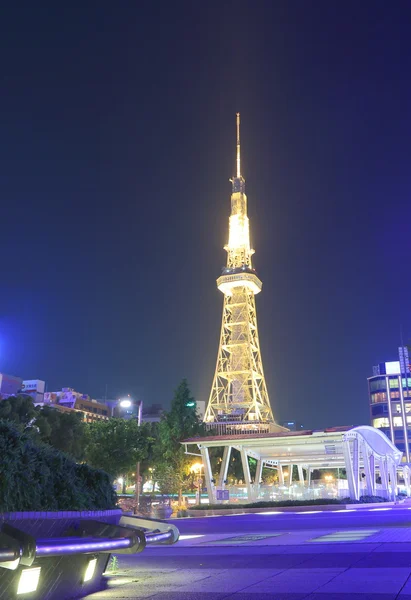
61	576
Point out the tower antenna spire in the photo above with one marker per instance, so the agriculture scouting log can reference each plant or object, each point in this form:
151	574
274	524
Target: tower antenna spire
238	146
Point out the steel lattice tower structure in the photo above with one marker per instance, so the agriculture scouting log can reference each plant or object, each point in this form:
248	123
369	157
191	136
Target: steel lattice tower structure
239	399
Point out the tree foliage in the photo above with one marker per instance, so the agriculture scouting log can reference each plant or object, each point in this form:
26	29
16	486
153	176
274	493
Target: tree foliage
34	476
64	431
117	445
180	423
18	409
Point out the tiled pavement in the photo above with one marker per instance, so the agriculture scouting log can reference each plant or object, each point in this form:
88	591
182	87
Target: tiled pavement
284	567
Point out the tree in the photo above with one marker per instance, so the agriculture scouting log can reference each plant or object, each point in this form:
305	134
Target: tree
116	445
18	409
180	423
64	431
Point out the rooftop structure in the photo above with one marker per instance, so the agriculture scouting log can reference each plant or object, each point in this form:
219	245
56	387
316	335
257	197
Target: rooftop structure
359	450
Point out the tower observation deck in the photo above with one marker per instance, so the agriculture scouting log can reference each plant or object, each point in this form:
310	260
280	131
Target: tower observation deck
239	401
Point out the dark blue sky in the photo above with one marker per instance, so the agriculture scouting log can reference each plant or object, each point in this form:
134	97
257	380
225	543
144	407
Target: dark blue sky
117	142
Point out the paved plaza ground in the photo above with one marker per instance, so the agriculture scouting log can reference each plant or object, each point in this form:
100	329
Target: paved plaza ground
362	554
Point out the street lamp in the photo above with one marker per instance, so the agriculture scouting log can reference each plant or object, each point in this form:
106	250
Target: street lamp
196	468
128	403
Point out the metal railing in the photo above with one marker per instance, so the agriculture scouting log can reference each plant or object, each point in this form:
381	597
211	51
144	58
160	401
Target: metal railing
130	536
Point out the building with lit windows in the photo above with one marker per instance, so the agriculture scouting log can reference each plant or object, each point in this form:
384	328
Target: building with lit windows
69	400
390	401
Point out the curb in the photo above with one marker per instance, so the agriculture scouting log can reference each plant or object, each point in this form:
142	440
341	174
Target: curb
292	509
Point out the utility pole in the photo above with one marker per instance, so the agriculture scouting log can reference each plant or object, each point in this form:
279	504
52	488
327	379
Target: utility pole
137	486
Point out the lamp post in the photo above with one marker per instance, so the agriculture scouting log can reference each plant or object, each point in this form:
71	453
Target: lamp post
127	403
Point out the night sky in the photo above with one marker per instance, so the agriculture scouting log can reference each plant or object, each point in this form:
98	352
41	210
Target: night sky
117	143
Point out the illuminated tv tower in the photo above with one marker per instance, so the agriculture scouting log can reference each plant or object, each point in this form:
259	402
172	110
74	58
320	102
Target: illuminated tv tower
239	399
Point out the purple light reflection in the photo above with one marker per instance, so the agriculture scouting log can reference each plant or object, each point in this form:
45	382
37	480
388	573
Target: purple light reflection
90	546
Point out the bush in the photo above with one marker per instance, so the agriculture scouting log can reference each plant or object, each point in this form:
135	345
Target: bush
282	503
35	476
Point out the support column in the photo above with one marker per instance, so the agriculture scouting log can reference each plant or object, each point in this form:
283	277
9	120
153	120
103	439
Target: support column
290	474
246	471
384	476
258	473
309	471
300	475
393	478
349	470
372	469
356	465
224	467
207	473
406	474
367	468
280	474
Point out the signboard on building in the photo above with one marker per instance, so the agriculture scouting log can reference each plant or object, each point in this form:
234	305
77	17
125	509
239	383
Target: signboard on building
33	385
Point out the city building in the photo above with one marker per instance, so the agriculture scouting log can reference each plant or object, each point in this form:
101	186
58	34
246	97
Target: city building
9	385
69	400
293	425
152	413
201	408
239	398
390	401
35	389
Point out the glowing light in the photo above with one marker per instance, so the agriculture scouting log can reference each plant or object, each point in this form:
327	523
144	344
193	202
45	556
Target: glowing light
189	537
273	512
239	232
309	512
125	403
196	468
91	567
120	481
373	509
29	580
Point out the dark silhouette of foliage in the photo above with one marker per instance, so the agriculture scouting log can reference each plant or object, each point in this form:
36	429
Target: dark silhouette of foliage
35	476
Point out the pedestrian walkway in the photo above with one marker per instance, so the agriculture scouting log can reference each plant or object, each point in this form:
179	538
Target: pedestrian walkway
292	538
356	564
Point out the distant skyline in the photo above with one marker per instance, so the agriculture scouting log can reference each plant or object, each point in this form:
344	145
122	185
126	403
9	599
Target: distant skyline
118	140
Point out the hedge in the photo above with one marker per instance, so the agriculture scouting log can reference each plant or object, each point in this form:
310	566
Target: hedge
281	503
36	477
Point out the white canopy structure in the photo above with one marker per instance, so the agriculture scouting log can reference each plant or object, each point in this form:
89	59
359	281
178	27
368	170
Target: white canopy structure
359	450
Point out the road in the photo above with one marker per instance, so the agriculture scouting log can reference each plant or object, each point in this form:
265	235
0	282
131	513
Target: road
359	555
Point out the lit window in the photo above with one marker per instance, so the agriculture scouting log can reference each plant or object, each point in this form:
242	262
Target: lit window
397	421
379	397
381	422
